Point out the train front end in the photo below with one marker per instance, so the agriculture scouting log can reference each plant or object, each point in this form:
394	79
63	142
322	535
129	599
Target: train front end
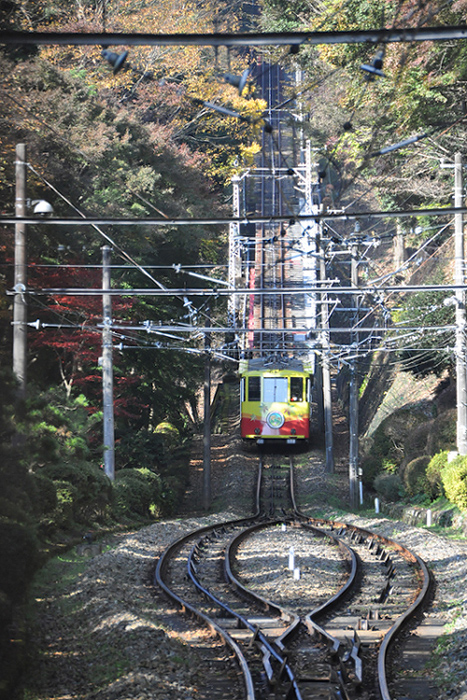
275	403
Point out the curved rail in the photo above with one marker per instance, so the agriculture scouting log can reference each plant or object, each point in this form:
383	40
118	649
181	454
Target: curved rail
390	636
185	606
310	623
158	578
402	620
274	652
268	648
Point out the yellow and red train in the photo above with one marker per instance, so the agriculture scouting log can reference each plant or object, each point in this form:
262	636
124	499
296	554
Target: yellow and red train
275	400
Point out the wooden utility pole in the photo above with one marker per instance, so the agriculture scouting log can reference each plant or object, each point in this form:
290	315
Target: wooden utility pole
20	309
461	382
107	369
207	418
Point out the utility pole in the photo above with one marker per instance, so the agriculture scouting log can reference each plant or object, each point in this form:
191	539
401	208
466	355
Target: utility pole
20	309
461	384
400	253
107	369
234	253
326	370
353	398
207	417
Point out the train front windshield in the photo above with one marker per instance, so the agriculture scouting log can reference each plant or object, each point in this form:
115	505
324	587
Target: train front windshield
275	389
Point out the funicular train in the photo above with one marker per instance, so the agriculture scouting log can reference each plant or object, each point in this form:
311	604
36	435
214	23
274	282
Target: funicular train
275	400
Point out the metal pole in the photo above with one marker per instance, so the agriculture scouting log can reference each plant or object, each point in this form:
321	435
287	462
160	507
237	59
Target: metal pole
207	419
326	370
353	401
107	369
234	253
461	384
20	310
400	253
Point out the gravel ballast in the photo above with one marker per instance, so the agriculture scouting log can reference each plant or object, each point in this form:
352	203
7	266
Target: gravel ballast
102	632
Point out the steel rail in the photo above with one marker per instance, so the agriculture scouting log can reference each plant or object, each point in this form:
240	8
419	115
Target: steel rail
424	589
185	606
258	634
161	569
391	635
311	625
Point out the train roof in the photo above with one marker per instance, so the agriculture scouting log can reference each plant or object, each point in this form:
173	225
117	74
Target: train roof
286	364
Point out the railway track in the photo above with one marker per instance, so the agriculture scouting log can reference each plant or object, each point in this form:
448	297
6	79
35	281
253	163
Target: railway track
305	609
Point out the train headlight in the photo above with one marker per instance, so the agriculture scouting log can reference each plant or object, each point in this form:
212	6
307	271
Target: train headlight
275	419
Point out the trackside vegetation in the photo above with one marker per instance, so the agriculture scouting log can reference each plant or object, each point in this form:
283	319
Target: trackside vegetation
143	144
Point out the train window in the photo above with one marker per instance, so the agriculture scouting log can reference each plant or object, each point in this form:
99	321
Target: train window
242	390
275	389
296	388
254	388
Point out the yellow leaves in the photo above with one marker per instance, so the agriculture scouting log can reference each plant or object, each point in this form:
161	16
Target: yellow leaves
248	154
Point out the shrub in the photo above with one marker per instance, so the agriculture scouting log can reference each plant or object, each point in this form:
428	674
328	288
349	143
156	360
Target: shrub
414	475
19	552
444	435
46	494
92	490
11	510
454	478
389	486
433	482
142	447
371	467
63	514
171	434
136	491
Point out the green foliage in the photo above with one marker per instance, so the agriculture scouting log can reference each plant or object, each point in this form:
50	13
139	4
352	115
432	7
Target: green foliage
371	467
434	482
90	491
389	486
414	475
444	433
427	309
142	447
454	479
46	494
20	554
137	493
169	433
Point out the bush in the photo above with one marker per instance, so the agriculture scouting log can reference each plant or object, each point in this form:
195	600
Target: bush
46	494
11	510
389	486
414	475
91	493
136	492
454	478
19	552
170	434
371	468
433	482
444	435
143	447
63	515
